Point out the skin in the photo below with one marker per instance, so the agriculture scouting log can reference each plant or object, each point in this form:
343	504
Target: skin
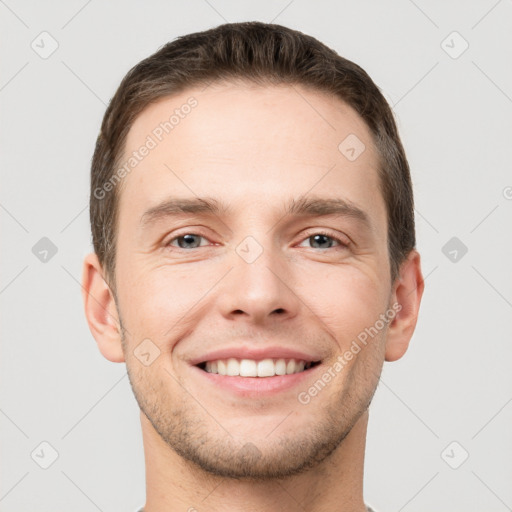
254	148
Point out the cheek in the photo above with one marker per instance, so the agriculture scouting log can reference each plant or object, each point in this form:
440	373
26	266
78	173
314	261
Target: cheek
161	298
346	301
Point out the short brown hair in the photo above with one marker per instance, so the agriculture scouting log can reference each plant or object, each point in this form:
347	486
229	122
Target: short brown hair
265	54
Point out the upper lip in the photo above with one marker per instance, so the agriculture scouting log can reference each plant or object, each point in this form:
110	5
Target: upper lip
241	352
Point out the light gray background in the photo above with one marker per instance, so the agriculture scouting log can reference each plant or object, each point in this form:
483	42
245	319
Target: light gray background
454	114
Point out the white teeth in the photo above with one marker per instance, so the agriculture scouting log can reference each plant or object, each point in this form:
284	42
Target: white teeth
248	368
233	367
280	367
290	367
221	367
266	368
251	368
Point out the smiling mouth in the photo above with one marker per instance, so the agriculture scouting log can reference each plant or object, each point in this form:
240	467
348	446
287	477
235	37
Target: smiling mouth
233	367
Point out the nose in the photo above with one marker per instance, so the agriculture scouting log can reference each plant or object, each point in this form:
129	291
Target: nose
260	291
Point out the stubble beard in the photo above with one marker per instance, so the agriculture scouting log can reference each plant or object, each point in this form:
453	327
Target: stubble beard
194	432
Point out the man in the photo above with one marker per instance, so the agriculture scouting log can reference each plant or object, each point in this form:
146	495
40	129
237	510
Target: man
255	264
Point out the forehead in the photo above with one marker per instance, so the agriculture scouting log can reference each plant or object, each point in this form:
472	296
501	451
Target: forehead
247	144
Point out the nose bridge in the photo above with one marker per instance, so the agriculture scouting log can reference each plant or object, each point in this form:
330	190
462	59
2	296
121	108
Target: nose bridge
257	285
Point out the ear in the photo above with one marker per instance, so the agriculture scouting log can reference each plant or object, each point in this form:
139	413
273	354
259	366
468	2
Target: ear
101	310
407	292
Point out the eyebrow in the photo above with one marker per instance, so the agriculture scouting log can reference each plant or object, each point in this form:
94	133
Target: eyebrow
302	206
172	207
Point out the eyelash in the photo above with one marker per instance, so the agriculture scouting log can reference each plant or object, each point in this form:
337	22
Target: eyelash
341	244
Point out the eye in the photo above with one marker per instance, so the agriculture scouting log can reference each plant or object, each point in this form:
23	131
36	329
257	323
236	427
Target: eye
187	241
323	240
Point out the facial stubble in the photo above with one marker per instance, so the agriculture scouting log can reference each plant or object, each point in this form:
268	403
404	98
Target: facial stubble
194	430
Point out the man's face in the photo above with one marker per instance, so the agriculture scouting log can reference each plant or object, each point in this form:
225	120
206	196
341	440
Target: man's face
254	277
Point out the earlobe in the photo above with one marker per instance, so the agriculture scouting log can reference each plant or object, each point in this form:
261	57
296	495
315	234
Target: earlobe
100	310
407	292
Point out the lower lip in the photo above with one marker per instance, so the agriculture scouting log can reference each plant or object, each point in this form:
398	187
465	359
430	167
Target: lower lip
257	386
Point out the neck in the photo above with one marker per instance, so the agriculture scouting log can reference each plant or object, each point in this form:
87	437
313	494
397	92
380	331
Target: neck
175	484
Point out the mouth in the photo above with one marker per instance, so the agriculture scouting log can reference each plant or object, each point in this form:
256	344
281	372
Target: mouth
256	378
248	371
233	367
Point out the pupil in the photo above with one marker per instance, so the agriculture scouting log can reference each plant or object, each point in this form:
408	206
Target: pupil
321	239
187	239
